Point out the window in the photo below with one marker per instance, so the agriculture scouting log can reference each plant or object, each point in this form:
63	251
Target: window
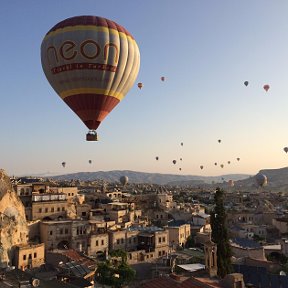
52	209
61	231
22	191
35	255
102	242
30	256
63	208
58	209
159	253
24	257
163	239
83	213
40	210
96	242
122	240
159	239
46	210
118	241
51	232
129	240
66	230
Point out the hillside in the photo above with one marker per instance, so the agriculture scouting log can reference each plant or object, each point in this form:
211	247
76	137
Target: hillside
151	178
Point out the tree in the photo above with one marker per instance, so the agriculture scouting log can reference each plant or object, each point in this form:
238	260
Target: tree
115	273
220	235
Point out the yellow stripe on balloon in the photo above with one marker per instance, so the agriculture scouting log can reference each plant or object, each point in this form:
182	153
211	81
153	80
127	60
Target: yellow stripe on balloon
88	27
71	92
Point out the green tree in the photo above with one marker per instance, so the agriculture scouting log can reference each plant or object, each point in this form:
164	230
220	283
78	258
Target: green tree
220	235
115	273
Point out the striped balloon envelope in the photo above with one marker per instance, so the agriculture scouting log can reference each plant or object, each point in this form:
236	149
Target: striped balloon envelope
91	62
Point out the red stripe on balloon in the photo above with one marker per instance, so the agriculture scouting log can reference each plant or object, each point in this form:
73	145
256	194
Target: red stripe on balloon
91	108
89	20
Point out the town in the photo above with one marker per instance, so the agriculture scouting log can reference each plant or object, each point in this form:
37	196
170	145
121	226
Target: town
60	233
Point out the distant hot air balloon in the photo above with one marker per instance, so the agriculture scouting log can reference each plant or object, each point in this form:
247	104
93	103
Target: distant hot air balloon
201	167
228	162
90	161
64	164
91	62
124	180
266	87
174	162
222	166
181	143
231	183
140	85
238	159
261	179
219	141
180	169
215	163
285	149
157	158
246	83
162	78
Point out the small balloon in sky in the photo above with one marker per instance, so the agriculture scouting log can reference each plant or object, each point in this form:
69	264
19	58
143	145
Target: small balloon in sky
63	164
174	162
219	140
140	85
201	167
222	166
157	158
215	163
246	83
162	78
266	87
285	149
238	159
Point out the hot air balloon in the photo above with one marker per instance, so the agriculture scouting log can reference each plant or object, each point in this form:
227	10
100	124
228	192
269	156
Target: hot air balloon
123	180
180	169
157	158
219	141
63	164
266	87
182	144
90	161
174	162
162	78
222	166
91	62
201	167
238	159
285	149
215	163
228	162
246	83
180	159
261	179
231	183
140	85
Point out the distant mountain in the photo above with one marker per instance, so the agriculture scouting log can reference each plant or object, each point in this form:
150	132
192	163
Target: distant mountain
277	179
151	178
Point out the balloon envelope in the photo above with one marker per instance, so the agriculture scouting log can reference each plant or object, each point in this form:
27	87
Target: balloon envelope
91	62
266	87
285	149
140	85
219	141
90	161
201	167
157	158
246	83
64	164
261	179
162	78
124	180
174	161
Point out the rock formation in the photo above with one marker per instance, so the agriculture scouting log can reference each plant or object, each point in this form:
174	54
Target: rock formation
13	225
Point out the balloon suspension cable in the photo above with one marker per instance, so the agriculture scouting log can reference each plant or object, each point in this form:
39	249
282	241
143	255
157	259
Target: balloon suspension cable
92	135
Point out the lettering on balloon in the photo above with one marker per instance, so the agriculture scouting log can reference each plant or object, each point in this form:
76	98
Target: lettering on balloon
88	49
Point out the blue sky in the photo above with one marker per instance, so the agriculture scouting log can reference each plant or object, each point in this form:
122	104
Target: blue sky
205	49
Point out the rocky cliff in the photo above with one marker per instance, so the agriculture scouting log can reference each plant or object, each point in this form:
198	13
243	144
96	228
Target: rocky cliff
13	225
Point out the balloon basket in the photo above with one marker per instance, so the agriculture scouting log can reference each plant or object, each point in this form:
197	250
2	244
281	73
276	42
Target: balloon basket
91	137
